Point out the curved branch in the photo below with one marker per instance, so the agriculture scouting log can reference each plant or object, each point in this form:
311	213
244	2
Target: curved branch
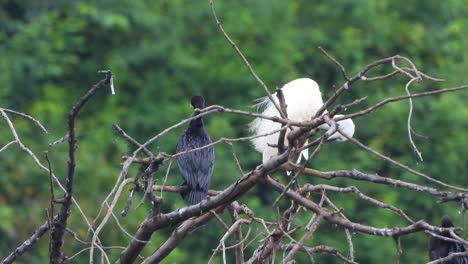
338	220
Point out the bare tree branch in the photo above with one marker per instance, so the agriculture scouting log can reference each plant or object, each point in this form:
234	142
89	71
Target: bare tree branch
251	70
34	120
178	235
449	258
60	222
319	249
338	220
27	244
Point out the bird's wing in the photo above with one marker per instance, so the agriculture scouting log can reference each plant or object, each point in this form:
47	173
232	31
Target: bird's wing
185	163
457	248
196	167
437	248
206	167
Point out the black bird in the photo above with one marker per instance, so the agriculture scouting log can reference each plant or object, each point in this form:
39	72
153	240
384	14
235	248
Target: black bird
196	167
439	248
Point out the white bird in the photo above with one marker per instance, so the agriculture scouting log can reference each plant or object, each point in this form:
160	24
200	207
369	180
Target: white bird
303	100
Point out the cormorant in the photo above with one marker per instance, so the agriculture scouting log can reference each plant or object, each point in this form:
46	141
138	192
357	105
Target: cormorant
439	248
196	167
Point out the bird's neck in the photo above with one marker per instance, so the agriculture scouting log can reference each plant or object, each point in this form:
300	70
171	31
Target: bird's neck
196	123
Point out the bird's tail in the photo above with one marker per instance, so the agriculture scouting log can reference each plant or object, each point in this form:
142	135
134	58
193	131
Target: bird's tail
195	196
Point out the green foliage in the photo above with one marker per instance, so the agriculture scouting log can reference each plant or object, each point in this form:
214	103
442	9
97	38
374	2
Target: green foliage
163	52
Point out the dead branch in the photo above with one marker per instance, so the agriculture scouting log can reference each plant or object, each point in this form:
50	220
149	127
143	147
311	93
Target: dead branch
449	258
318	249
60	222
310	229
234	212
120	132
338	220
178	235
27	244
150	225
245	61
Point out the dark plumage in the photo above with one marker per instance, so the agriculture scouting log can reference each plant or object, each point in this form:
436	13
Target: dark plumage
196	167
439	248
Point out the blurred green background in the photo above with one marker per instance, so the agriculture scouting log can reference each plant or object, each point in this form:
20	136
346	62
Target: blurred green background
163	52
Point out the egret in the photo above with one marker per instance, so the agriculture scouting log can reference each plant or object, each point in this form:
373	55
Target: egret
303	99
196	167
439	248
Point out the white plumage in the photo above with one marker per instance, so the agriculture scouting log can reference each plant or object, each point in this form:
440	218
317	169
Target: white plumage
303	99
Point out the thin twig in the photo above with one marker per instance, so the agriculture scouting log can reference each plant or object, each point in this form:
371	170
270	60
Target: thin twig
244	60
282	134
37	122
342	68
120	132
319	249
399	251
8	144
310	230
410	113
51	186
236	160
402	166
359	194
